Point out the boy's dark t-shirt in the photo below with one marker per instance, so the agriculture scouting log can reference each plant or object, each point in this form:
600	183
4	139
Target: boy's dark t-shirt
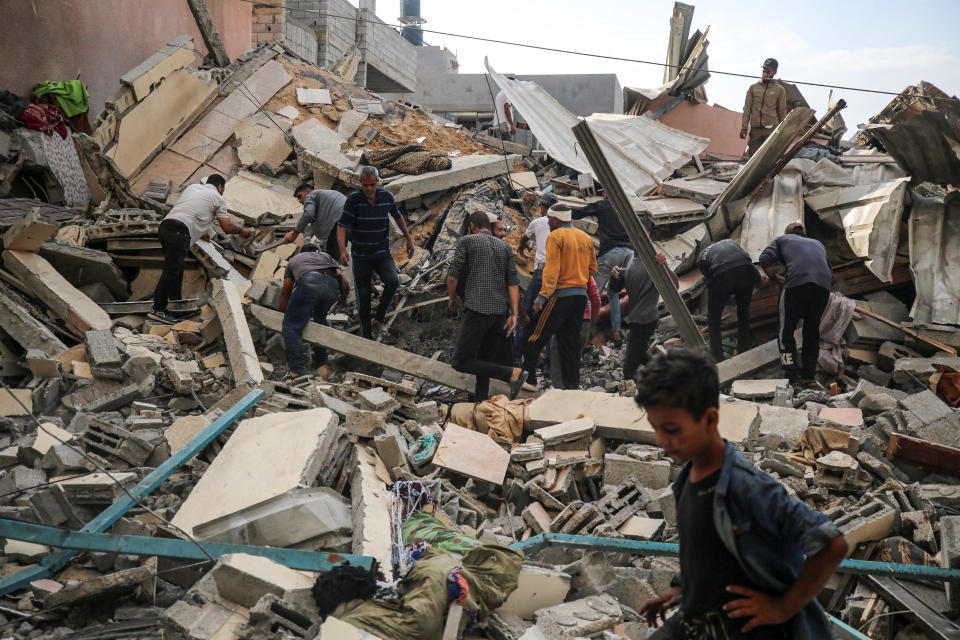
706	565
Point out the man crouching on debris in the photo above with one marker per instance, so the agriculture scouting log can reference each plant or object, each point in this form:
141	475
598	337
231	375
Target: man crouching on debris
491	302
190	220
752	559
319	283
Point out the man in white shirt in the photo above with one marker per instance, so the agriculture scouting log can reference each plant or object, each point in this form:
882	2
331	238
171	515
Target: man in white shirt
503	114
537	231
190	220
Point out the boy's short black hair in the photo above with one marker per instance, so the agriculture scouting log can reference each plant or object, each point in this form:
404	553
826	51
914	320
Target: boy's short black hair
303	188
680	378
216	180
480	219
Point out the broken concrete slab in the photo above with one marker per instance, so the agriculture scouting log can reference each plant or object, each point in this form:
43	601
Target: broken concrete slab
748	362
28	233
580	618
19	404
26	330
651	474
566	431
291	444
101	349
309	97
371	517
950	554
465	169
250	197
244	579
42	365
845	416
756	389
79	312
183	430
640	528
472	454
262	139
101	587
300	516
240	348
927	406
537	588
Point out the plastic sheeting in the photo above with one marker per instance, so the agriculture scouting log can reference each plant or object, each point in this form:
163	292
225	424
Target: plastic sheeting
642	152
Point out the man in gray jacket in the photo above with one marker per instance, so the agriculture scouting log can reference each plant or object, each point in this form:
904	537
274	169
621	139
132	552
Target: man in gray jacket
321	211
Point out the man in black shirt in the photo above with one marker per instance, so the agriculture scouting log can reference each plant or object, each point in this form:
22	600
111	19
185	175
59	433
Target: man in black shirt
615	251
729	272
752	559
491	304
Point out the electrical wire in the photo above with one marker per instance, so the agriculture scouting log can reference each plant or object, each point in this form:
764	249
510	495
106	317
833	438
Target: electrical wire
678	67
105	471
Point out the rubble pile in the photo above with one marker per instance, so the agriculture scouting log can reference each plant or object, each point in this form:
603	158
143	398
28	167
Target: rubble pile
199	491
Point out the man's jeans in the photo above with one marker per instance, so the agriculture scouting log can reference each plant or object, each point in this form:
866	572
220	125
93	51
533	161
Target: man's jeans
313	296
529	297
616	257
483	349
175	240
363	271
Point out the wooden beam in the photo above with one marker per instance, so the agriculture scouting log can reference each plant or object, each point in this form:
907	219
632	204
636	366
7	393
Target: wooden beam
910	332
380	354
641	242
208	29
924	454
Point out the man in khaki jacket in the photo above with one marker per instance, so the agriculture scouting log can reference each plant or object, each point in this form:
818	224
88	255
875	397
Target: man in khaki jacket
764	108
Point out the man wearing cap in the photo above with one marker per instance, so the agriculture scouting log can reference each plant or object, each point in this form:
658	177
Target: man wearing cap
490	303
805	295
321	211
764	108
558	309
190	220
312	282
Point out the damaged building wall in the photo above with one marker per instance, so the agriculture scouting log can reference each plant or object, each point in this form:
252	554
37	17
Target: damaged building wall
107	38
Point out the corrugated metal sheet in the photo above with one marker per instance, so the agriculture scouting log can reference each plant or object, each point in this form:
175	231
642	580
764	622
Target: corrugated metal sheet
641	151
869	216
769	214
927	146
934	255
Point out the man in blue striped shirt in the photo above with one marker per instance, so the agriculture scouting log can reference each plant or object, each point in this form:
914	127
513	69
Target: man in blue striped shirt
366	213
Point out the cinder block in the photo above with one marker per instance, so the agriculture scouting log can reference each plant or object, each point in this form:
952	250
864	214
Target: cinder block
651	474
244	579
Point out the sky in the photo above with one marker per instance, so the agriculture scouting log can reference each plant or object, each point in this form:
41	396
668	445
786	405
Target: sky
879	44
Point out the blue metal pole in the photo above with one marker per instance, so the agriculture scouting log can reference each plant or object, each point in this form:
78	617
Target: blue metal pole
172	547
114	512
640	547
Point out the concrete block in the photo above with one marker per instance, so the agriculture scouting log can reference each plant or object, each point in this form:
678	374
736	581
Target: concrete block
96	489
950	554
872	521
182	374
537	588
465	169
472	454
21	551
927	406
921	368
101	587
265	457
28	233
566	431
244	579
651	474
61	459
580	618
392	450
640	528
183	430
756	389
20	403
26	330
295	517
50	435
537	517
631	589
371	518
945	431
101	348
42	365
873	403
778	425
20	478
843	416
365	424
377	399
203	614
141	366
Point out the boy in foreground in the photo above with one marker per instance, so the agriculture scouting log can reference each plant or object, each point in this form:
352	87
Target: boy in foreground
752	559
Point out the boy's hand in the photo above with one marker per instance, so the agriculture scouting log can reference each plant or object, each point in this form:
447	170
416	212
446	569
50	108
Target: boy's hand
660	606
759	607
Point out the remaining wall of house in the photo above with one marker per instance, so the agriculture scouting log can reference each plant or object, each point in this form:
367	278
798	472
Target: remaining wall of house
100	40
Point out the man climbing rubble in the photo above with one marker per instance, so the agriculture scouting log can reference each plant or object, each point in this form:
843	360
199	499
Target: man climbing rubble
536	233
190	220
752	559
490	303
322	209
804	296
312	282
615	251
729	272
764	108
366	214
559	307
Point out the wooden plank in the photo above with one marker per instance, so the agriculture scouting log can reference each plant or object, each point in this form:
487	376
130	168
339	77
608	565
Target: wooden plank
208	29
924	454
381	354
910	332
641	242
472	454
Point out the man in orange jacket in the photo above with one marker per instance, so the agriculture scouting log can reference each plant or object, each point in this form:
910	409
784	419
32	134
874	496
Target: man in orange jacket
558	310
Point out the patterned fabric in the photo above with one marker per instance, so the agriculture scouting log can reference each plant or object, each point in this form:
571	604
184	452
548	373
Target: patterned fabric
64	162
410	159
43	117
425	527
491	267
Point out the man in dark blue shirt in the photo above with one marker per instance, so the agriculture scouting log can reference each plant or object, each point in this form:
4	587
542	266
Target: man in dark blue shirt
805	295
367	214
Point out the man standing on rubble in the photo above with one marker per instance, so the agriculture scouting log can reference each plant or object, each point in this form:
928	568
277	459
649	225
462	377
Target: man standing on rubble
537	232
190	220
729	272
366	213
804	296
764	108
312	282
558	309
322	209
490	303
615	251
